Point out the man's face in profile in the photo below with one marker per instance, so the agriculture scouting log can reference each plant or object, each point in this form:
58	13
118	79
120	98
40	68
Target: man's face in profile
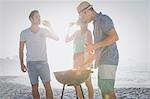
85	15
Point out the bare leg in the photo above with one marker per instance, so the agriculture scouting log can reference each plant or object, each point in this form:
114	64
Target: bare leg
49	93
90	88
112	95
35	91
78	60
109	95
79	92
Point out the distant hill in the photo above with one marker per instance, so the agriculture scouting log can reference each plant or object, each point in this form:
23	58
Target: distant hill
9	66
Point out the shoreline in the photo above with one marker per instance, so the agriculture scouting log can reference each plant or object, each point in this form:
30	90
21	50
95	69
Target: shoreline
120	83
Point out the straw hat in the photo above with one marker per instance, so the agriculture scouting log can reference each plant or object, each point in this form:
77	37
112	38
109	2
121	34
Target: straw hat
83	6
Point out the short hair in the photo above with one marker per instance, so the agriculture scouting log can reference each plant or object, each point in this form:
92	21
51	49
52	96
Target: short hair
32	13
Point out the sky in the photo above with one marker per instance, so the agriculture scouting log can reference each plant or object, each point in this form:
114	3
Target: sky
130	18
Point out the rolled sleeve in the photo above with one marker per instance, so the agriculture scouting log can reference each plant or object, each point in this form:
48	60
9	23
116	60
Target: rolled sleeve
107	24
22	36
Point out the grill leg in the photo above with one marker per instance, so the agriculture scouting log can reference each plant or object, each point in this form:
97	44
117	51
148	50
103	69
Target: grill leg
63	91
82	92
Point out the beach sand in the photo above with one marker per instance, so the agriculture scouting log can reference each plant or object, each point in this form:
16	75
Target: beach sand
11	90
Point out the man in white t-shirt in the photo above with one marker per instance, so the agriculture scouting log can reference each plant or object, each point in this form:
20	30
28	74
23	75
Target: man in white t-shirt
34	38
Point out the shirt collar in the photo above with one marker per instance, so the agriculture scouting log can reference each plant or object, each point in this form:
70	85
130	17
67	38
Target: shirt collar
97	16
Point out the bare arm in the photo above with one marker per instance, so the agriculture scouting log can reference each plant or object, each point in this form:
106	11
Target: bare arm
89	38
91	54
51	34
21	56
21	48
70	37
112	38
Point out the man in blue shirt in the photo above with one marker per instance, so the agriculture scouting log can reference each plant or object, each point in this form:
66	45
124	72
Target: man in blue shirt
106	52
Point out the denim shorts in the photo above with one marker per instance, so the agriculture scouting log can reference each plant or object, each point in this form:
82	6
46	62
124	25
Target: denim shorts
38	69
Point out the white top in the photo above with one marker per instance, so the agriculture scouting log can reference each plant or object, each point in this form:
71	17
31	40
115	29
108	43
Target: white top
35	44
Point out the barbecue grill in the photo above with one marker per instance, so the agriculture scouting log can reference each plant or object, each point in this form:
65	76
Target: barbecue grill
72	77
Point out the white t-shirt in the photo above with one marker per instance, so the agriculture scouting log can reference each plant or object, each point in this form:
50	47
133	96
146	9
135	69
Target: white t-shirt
35	44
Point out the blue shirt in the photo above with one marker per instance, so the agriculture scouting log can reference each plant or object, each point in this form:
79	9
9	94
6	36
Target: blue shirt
109	54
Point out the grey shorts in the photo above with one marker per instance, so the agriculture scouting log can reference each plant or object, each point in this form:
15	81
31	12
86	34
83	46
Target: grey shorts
106	77
38	69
